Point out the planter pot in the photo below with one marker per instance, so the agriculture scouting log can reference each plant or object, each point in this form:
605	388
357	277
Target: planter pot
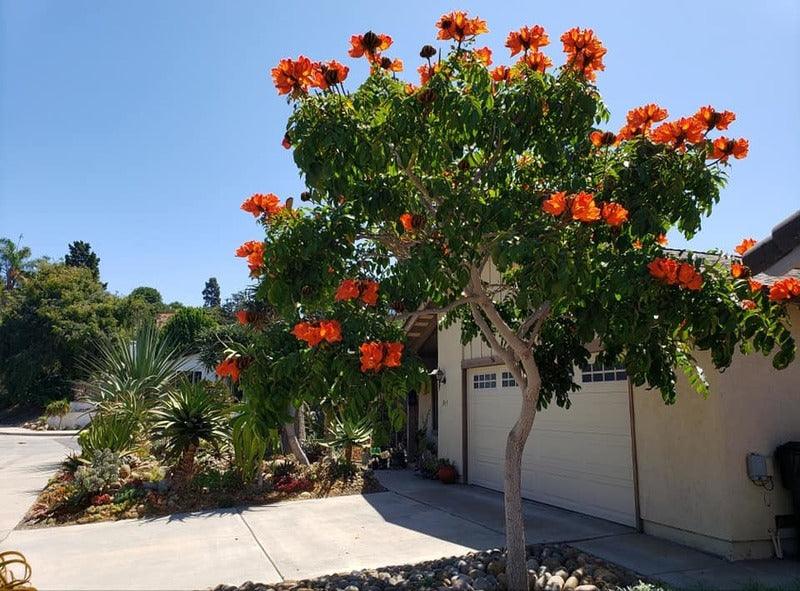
447	474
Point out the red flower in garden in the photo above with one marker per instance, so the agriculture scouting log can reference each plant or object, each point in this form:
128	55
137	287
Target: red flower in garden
411	221
723	148
286	142
389	64
662	239
259	204
294	76
483	55
755	286
664	269
330	331
329	74
502	74
785	289
253	251
710	118
526	38
678	133
369	292
243	316
351	289
602	139
393	354
314	333
458	26
348	290
536	61
556	204
640	120
426	71
228	368
748	304
369	44
584	52
305	331
614	214
738	270
688	277
103	499
584	209
371	356
745	245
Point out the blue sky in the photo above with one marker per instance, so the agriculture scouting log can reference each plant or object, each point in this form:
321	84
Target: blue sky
141	126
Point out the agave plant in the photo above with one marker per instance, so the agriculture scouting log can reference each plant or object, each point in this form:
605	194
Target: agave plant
183	419
347	434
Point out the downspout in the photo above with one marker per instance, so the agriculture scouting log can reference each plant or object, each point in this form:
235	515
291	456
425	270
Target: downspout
634	459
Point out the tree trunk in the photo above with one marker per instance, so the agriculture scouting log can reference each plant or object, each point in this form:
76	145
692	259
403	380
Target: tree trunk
300	423
516	568
293	442
184	469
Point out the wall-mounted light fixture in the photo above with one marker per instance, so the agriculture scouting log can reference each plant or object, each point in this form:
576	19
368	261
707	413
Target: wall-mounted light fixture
440	376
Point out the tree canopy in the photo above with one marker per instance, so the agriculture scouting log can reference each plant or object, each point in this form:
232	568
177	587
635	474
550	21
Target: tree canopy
185	328
211	296
80	254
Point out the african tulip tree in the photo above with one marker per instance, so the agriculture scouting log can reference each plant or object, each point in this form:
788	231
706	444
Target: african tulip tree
413	191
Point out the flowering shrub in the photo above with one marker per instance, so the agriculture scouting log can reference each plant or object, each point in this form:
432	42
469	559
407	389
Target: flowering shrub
290	484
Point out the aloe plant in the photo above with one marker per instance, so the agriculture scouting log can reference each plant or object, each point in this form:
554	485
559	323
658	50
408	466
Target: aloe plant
347	433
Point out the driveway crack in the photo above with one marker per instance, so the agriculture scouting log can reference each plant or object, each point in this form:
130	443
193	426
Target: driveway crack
260	545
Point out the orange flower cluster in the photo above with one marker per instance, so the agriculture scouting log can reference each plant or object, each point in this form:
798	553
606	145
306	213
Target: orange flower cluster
351	289
755	286
672	272
503	74
231	367
738	270
314	333
369	44
253	251
244	317
747	304
411	221
483	55
536	61
388	64
640	120
584	52
745	245
582	208
294	77
710	119
527	38
426	71
328	74
722	148
266	205
376	355
686	130
458	26
601	139
784	289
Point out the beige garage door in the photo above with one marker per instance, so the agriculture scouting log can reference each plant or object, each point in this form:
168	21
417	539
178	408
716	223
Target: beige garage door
579	459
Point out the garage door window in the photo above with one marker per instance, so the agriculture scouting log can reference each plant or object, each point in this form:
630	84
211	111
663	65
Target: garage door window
482	381
507	380
598	372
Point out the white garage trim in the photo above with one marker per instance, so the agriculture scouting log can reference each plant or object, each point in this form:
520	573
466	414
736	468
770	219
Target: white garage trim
582	459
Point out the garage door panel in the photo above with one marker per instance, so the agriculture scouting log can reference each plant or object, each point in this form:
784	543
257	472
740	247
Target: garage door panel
577	458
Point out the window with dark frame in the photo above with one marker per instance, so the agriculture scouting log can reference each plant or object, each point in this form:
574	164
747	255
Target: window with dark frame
598	372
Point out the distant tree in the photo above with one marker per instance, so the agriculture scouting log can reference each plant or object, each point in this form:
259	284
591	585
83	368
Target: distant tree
176	305
81	255
238	300
149	294
186	326
211	297
15	262
51	321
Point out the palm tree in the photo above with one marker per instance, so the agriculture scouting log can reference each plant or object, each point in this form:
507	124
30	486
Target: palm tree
15	262
184	419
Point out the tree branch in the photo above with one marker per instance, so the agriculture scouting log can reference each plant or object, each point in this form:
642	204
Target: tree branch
427	199
534	321
439	310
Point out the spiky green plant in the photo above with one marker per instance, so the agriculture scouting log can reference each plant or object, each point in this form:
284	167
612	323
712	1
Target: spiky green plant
345	434
183	419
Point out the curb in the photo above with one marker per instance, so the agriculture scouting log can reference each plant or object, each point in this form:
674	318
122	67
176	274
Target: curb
20	432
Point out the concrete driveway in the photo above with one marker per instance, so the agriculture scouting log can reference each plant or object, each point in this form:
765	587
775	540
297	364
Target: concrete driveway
417	520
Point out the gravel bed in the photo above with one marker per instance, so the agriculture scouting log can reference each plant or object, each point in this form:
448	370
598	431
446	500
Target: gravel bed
551	567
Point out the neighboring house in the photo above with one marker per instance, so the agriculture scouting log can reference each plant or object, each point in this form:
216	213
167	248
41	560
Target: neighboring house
677	472
195	371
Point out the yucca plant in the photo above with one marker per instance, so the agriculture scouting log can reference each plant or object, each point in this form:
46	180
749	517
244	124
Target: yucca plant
183	419
345	434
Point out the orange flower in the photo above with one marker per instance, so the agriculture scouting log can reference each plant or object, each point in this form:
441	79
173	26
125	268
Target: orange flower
394	353
330	74
249	247
710	118
556	204
637	244
457	26
738	270
305	331
228	368
640	119
348	290
483	55
407	219
584	52
755	286
369	292
723	148
371	356
243	316
584	208
785	289
369	44
294	76
259	204
330	330
662	239
286	142
602	139
502	74
409	88
536	61
664	269
389	64
525	38
678	133
614	214
748	304
745	245
689	278
426	72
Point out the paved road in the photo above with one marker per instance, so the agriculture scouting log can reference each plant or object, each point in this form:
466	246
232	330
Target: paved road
417	520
